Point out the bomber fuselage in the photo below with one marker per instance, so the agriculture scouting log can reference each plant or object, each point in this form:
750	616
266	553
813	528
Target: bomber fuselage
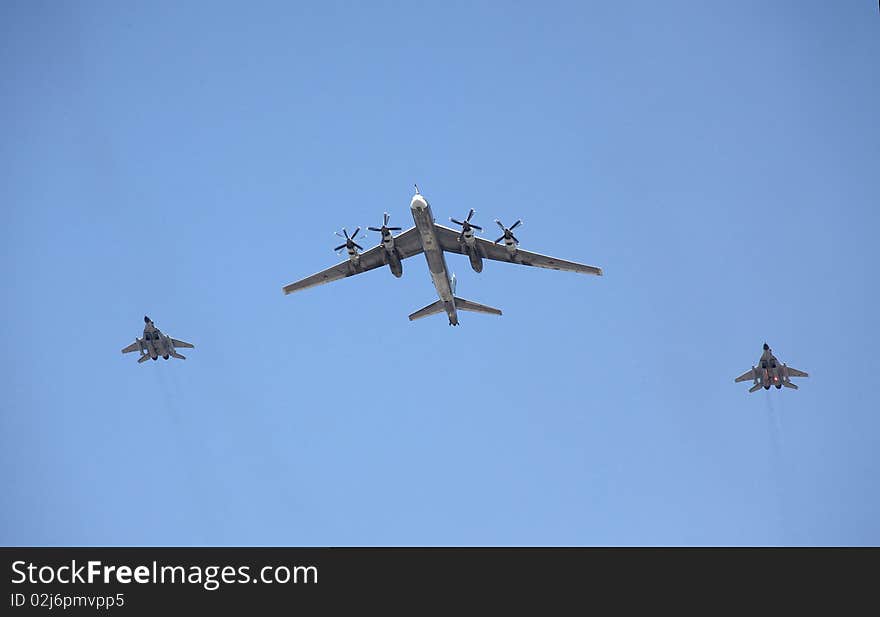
434	255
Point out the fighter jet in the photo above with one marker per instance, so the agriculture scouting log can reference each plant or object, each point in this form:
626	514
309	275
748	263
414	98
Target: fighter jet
771	373
155	344
435	241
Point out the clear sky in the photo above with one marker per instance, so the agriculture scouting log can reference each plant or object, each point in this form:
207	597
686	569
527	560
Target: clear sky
719	160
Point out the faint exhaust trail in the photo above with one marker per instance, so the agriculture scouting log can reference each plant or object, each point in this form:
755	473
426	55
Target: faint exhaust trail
168	395
777	465
177	389
775	428
184	444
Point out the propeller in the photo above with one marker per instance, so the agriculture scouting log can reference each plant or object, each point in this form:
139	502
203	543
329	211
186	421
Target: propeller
466	224
508	231
384	229
349	240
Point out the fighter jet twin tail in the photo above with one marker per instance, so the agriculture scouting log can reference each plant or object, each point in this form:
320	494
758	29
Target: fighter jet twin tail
435	241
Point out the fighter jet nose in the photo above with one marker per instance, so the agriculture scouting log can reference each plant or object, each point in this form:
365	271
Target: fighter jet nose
766	347
146	319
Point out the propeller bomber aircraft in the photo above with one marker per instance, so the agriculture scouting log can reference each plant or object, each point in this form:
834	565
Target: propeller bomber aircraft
435	241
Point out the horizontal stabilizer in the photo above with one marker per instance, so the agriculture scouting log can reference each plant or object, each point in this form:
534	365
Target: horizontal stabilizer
431	309
788	384
466	305
757	386
143	358
179	356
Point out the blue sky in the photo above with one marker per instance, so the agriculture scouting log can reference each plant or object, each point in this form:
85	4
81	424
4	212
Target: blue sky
185	160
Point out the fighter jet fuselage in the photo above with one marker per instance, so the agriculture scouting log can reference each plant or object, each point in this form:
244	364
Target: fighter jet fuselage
770	372
154	344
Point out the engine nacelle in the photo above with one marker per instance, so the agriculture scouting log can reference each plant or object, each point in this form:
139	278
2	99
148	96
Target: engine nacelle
476	261
394	263
467	237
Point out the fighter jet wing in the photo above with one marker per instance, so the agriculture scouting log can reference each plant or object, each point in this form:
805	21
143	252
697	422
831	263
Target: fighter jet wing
133	347
177	343
407	244
793	372
747	376
448	239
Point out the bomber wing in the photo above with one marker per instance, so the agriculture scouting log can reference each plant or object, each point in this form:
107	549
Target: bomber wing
407	244
448	239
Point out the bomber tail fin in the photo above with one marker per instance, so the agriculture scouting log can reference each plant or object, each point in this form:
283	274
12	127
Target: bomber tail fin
460	304
431	309
466	305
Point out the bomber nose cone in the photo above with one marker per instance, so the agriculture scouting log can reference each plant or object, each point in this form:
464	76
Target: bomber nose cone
418	202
